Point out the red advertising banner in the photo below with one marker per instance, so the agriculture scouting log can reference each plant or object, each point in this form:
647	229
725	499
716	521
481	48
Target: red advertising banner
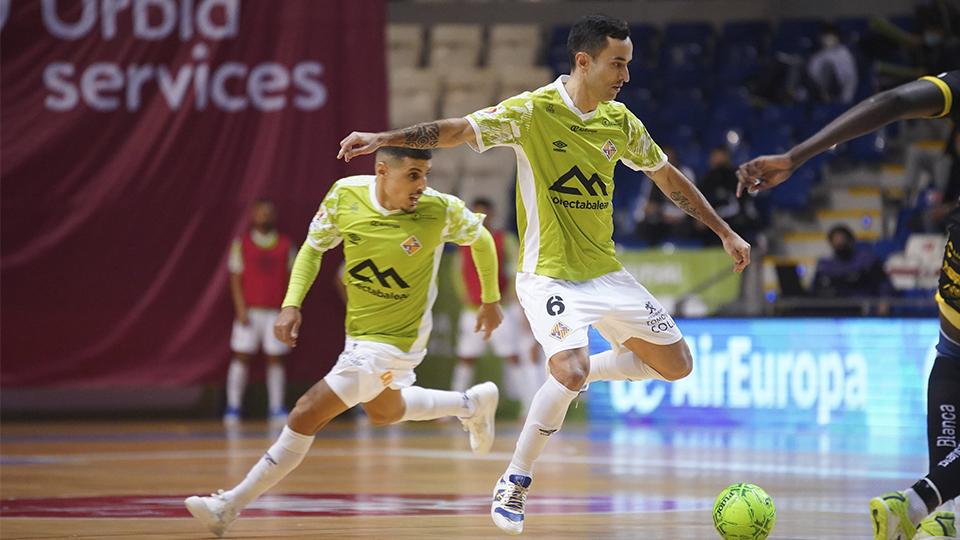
134	136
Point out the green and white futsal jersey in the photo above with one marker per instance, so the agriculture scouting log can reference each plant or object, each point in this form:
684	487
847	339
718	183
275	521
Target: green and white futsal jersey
565	162
391	257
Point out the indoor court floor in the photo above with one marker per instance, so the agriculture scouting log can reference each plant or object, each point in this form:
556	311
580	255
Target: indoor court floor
126	480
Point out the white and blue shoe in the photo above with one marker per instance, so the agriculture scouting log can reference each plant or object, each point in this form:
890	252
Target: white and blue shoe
231	416
509	497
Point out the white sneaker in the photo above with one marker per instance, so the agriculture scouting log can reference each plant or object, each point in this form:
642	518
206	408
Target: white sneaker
216	512
485	397
509	498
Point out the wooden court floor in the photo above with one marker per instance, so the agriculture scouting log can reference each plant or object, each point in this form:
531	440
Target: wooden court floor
120	480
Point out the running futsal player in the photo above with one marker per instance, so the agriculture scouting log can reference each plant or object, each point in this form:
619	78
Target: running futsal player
899	514
394	228
568	136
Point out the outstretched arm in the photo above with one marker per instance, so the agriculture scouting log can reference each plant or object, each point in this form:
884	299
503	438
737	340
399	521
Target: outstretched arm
688	198
436	134
922	98
489	316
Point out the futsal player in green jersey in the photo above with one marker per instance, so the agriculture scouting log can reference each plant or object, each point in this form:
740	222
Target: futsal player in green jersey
393	228
568	136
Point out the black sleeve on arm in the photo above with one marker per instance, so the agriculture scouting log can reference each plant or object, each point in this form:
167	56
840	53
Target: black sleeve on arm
949	86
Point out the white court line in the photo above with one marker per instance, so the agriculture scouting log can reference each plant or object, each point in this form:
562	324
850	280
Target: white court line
634	466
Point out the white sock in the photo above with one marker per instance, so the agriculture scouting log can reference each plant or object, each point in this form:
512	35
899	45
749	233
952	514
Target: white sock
276	383
429	404
462	376
236	383
916	509
547	411
607	366
280	459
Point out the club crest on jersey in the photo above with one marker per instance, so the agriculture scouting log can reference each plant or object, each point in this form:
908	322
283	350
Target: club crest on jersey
411	245
559	331
609	149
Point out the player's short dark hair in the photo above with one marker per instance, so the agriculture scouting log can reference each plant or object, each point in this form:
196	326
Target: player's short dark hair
400	153
590	35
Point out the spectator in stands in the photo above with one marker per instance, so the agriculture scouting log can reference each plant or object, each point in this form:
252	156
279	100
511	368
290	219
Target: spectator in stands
832	70
934	49
659	220
852	271
719	187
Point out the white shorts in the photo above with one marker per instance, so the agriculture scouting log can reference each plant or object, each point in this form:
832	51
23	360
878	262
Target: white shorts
505	340
366	368
247	339
619	307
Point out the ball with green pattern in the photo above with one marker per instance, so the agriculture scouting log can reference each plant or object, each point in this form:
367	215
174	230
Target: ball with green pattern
744	512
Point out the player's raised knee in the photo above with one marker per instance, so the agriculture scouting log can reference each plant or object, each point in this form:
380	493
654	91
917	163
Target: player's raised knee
569	372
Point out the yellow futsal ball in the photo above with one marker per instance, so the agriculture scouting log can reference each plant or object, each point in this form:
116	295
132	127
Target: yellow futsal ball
744	512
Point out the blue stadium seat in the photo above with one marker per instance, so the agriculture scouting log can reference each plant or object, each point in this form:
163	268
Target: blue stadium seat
678	136
556	50
644	38
853	29
730	107
727	135
752	32
770	139
643	77
685	76
679	54
795	194
689	32
796	36
684	111
779	116
736	64
869	148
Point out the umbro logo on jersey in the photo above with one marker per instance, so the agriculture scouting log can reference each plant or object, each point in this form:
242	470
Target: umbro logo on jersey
381	276
353	238
588	184
559	146
411	245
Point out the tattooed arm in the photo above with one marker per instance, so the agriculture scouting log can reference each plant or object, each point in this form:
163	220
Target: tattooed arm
436	134
688	198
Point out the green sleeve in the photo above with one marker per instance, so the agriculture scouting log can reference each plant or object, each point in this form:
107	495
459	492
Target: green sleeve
485	258
456	277
305	269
